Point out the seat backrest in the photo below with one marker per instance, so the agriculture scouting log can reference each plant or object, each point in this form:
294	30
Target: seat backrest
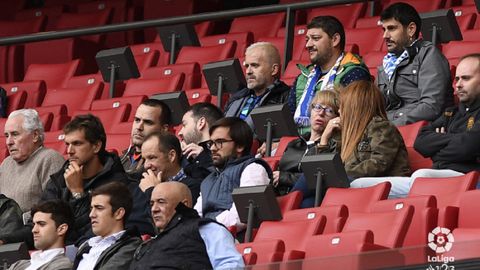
266	25
267	251
243	40
357	199
373	59
133	101
54	75
203	55
368	22
471	35
146	60
335	216
198	95
14	28
424	219
389	228
298	231
367	39
347	14
192	73
16	101
447	190
409	134
282	145
139	87
118	142
145	48
457	49
468	210
35	91
74	99
73	20
466	21
109	117
290	201
338	244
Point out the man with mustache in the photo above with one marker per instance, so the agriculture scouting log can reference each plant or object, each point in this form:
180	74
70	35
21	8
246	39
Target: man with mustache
262	68
152	115
415	76
330	67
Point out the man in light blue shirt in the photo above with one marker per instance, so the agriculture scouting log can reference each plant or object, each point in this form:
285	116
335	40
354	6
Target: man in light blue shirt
185	241
114	245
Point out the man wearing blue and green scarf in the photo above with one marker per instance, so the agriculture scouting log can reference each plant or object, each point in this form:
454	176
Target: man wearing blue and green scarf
330	67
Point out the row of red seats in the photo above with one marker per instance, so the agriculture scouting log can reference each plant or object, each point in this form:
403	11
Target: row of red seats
358	220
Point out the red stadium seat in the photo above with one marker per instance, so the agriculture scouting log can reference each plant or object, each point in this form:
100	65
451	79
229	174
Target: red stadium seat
466	21
204	28
163	57
292	71
133	101
54	136
203	55
35	91
367	39
266	25
54	75
264	252
420	6
60	117
290	201
299	30
46	119
389	228
448	191
356	199
282	146
467	9
59	146
14	28
347	14
146	60
368	22
73	99
51	13
193	77
335	216
4	63
243	40
83	81
198	95
16	101
471	35
456	49
409	134
138	87
118	142
109	117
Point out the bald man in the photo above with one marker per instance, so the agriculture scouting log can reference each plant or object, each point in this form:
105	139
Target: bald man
262	68
185	241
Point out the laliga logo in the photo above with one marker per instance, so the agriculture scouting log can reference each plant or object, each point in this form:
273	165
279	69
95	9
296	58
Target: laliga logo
440	240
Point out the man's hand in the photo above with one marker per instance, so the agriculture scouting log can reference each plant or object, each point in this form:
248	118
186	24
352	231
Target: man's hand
191	150
440	130
263	148
150	180
276	177
332	125
73	177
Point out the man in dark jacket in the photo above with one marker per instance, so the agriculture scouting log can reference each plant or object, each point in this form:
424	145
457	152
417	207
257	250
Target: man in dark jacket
163	154
452	141
88	166
194	135
262	68
114	245
415	76
184	241
10	215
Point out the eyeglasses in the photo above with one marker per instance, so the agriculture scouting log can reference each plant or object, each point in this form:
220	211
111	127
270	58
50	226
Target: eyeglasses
318	108
218	143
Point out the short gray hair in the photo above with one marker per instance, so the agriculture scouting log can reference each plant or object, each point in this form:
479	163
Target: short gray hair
31	121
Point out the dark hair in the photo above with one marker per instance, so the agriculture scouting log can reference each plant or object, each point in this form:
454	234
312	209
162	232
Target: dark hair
92	128
239	130
120	196
60	211
404	13
167	142
166	115
329	25
204	109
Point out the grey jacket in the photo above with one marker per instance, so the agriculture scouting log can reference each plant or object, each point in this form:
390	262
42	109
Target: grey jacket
59	262
420	88
10	215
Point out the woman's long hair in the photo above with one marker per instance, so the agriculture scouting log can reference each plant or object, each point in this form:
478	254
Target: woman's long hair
360	101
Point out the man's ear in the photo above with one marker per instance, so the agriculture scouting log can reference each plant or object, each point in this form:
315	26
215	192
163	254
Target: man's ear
239	150
336	40
201	123
62	229
411	29
36	136
97	146
187	203
119	214
165	127
276	70
172	156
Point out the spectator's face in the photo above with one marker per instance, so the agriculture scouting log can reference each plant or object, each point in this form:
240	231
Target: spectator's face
258	69
146	121
223	147
467	80
156	160
79	150
20	142
189	132
320	114
320	46
397	37
46	234
103	220
163	203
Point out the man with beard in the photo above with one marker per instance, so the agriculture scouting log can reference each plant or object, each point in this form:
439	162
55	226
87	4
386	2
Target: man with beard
152	115
415	76
262	68
330	66
194	136
230	143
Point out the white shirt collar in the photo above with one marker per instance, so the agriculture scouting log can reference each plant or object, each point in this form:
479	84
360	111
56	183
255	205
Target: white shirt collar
39	258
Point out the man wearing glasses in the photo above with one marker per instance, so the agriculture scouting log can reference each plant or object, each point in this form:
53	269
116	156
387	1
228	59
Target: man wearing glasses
231	140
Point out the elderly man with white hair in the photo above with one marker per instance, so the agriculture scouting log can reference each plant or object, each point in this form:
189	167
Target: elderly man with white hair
24	174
